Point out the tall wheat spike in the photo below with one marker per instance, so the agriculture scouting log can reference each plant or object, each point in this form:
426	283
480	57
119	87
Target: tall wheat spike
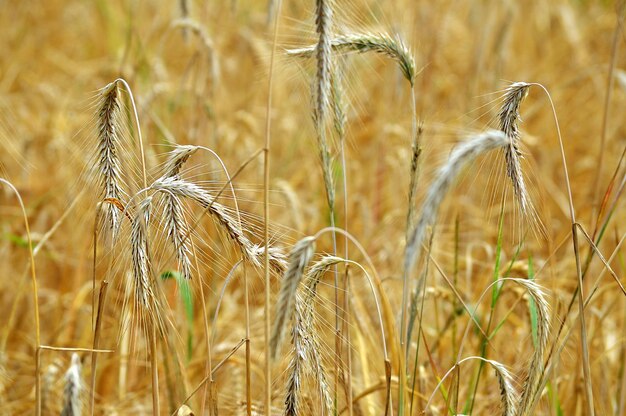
109	146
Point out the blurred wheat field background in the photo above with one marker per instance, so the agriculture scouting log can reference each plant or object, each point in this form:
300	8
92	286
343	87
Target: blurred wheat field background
399	223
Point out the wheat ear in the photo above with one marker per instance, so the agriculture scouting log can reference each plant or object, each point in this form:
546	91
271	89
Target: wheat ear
109	147
145	297
508	119
461	155
299	258
533	378
174	218
381	43
508	394
252	252
73	388
194	27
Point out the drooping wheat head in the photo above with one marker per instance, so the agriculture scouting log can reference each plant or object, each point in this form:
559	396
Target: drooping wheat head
535	371
381	43
145	294
252	252
461	155
508	119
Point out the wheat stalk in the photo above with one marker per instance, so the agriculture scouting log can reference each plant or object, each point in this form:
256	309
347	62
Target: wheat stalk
381	43
73	388
508	119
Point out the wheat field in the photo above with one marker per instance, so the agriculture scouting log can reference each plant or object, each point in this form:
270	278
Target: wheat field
247	207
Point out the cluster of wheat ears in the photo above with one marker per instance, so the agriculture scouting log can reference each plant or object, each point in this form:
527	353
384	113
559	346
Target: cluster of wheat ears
151	216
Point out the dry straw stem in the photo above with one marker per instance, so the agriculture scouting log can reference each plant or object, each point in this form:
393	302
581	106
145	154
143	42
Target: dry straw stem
299	258
73	388
509	398
461	155
381	43
252	252
508	119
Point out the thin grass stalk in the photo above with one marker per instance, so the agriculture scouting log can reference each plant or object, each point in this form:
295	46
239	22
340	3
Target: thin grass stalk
416	150
581	309
495	293
33	276
96	341
340	128
605	113
266	218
